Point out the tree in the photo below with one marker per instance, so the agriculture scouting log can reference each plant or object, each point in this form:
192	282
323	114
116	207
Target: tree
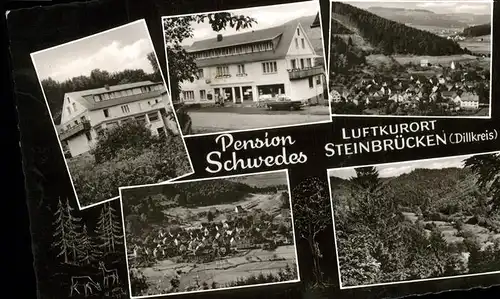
86	247
367	178
312	215
66	232
487	168
109	229
154	64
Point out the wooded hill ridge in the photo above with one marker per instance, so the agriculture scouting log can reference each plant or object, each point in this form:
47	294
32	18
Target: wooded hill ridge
392	37
479	30
447	191
424	17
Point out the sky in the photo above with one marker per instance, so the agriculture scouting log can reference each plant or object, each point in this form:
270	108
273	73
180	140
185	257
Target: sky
266	16
397	169
115	50
440	7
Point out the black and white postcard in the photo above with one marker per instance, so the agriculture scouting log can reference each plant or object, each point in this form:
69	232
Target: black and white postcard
265	69
411	58
205	235
112	112
416	221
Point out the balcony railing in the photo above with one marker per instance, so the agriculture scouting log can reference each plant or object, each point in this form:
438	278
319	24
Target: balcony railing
83	126
296	74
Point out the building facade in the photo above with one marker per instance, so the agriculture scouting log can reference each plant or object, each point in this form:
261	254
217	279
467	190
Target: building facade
88	114
243	67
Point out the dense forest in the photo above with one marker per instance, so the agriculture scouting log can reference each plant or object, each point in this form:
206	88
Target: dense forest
423	224
392	37
338	28
54	90
479	30
344	54
191	194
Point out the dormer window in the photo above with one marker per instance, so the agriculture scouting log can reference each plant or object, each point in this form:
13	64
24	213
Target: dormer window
298	31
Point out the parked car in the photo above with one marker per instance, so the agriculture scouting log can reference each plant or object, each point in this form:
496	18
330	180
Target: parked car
283	103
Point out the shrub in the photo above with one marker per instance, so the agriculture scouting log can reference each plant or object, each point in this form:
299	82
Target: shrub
138	282
124	161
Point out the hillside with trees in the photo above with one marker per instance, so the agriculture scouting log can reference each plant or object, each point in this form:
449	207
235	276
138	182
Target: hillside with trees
479	30
423	224
392	37
338	28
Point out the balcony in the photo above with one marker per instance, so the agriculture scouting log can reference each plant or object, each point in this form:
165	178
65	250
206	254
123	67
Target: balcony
296	74
81	127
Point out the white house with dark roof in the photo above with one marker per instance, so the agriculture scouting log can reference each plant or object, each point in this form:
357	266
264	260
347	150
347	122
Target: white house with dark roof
242	67
88	113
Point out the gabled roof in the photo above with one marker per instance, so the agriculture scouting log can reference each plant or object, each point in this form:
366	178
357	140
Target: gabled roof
85	97
316	22
237	39
282	34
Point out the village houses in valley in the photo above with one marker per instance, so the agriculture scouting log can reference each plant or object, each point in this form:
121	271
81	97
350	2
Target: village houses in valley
453	91
248	67
87	114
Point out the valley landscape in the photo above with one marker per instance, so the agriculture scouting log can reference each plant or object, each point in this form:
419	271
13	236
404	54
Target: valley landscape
417	220
396	59
213	234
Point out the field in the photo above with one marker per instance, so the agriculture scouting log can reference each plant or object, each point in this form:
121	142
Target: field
252	262
444	60
267	202
262	180
477	46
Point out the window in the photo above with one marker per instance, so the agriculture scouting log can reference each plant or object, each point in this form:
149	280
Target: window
156	101
203	94
302	63
298	31
74	107
83	119
188	95
269	67
160	131
125	109
200	74
241	69
153	116
76	122
318	79
311	82
141	119
106	112
294	64
222	70
140	106
309	62
69	110
88	135
303	43
296	43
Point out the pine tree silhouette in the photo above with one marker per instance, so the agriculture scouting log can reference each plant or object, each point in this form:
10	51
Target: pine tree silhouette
66	232
109	229
86	248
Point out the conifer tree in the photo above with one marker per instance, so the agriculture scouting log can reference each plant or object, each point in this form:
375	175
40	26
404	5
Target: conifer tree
109	229
61	241
86	248
66	232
